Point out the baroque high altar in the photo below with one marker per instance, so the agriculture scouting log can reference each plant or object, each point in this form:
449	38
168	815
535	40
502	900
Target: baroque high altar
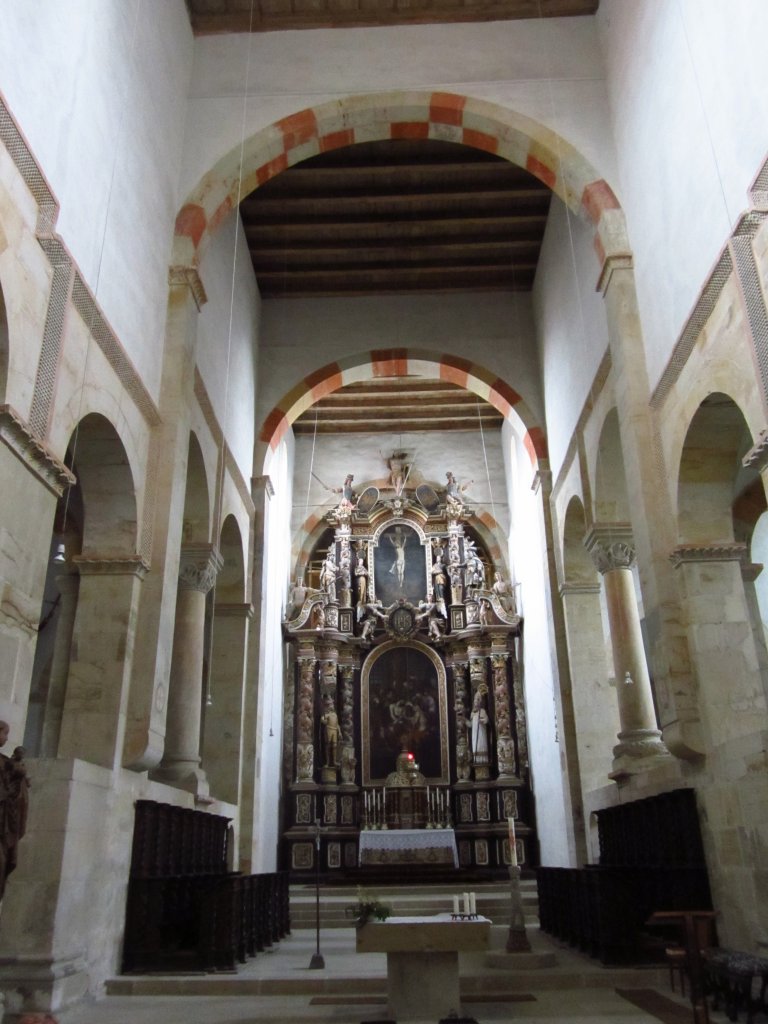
405	723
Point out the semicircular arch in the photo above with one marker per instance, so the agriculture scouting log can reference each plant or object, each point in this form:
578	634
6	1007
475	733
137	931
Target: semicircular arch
341	122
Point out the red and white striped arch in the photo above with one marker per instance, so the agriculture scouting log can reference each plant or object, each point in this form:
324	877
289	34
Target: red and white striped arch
412	115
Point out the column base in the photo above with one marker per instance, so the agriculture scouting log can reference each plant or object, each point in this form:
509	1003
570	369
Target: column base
637	752
187	775
37	984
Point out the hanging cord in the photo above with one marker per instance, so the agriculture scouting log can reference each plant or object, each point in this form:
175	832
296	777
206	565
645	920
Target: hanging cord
485	457
222	461
119	140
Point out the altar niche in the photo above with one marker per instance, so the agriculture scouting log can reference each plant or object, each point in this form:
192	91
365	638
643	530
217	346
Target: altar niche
404	707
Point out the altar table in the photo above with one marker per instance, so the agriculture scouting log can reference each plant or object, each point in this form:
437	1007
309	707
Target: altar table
408	846
423	961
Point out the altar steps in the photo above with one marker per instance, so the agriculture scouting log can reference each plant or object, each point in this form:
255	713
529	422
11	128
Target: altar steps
409	901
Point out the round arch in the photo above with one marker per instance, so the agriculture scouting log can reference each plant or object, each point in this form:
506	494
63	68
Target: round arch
398	363
413	115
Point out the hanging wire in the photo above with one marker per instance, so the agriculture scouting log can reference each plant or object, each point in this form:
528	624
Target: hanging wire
485	457
119	141
222	460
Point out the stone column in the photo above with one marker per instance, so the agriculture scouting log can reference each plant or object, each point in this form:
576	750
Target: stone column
594	706
93	722
652	516
347	756
68	583
640	745
305	723
223	722
181	762
722	641
505	747
461	709
329	671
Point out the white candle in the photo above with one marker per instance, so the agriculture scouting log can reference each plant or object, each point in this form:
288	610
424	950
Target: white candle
455	903
466	902
472	903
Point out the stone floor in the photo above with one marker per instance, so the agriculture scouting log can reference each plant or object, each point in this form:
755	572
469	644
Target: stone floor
278	987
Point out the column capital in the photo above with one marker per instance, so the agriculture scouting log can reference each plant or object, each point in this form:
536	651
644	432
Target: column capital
188	277
198	567
611	546
726	551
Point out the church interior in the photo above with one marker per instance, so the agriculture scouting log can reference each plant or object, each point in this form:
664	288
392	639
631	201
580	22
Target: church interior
384	421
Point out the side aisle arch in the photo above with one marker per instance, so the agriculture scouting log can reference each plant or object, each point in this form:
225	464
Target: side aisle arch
401	115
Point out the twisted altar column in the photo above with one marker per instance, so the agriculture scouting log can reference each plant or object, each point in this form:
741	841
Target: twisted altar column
505	747
640	744
461	698
305	717
347	757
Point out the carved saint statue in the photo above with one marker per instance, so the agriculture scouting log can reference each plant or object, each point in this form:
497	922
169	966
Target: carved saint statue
505	594
328	574
330	722
479	726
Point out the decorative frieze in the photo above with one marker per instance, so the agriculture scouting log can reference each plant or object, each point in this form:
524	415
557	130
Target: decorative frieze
757	456
695	553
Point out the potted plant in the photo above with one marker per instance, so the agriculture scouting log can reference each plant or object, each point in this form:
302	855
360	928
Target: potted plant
367	907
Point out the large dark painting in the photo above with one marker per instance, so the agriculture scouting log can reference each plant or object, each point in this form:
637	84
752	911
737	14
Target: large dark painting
405	710
400	566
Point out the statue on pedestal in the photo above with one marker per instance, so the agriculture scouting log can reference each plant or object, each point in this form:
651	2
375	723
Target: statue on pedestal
330	722
479	727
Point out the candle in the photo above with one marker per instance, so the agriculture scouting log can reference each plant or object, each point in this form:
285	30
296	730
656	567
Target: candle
472	903
466	902
455	903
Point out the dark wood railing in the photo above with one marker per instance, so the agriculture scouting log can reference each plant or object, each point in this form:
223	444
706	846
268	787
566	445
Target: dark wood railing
199	916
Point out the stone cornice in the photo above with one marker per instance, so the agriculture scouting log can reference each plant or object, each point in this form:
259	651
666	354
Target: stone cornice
111	565
234	609
728	551
542	478
188	277
579	588
18	436
611	546
757	456
616	261
198	567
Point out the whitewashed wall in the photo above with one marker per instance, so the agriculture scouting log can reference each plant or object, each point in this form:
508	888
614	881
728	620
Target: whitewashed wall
227	338
689	140
99	88
570	324
527	553
548	69
493	330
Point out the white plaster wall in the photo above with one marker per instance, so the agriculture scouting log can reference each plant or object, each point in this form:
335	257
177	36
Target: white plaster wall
433	454
570	324
227	338
548	69
271	667
528	556
494	331
99	88
688	83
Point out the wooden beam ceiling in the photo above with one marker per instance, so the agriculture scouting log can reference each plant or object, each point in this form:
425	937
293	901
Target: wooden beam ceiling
217	16
396	215
397	404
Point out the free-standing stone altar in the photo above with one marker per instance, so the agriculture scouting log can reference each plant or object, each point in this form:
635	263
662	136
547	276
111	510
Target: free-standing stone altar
406	704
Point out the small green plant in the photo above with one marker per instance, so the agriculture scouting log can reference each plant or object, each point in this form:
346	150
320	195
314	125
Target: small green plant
367	907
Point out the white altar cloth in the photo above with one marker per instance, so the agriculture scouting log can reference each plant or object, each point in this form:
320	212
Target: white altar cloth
408	846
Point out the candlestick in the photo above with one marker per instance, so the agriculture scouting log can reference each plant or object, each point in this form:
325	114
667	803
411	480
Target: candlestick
512	842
